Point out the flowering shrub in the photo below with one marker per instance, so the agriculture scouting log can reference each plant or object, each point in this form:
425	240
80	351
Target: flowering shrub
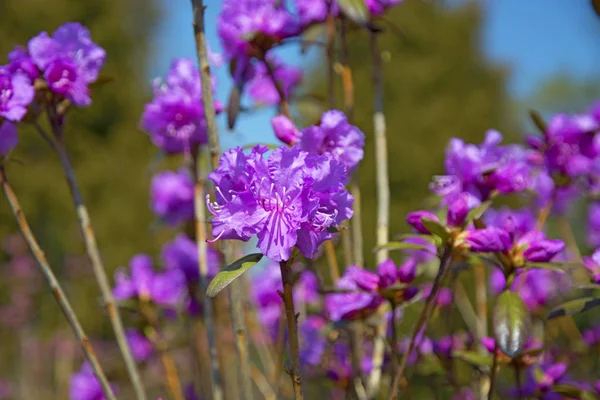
296	205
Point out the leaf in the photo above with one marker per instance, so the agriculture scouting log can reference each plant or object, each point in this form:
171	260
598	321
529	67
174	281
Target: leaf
557	267
587	286
231	273
356	10
512	323
405	236
572	392
576	306
474	358
478	211
436	228
402	246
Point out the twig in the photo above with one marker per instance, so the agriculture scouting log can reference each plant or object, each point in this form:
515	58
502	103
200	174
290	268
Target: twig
262	383
334	269
482	317
518	380
283	103
383	194
91	246
445	261
292	323
280	348
493	372
55	287
235	298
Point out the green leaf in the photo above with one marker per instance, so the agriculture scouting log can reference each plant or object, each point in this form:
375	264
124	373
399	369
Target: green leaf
356	10
478	211
231	273
572	392
402	246
405	236
269	146
576	306
512	323
557	267
474	358
436	228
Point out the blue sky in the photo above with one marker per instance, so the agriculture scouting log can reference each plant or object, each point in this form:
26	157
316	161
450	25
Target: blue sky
536	38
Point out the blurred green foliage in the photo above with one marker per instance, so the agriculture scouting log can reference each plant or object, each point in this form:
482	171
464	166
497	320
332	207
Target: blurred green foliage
438	85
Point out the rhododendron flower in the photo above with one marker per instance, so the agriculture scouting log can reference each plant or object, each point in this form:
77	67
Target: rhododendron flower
175	116
21	61
140	346
261	88
70	61
165	288
172	196
287	200
336	136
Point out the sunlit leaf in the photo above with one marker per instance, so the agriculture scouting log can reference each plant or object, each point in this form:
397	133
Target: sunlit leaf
512	323
402	246
478	211
572	307
231	273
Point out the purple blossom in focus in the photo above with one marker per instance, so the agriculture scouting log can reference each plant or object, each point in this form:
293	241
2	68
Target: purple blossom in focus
165	288
261	88
335	136
16	92
175	116
287	200
172	196
85	385
140	346
8	137
70	61
182	254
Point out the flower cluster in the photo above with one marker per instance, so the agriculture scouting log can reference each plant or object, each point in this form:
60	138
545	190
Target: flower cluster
288	199
172	196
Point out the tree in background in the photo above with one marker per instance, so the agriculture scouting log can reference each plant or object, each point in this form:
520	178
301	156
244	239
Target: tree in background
438	85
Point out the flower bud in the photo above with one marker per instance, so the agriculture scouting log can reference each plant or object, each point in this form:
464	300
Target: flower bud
388	273
414	219
543	250
489	240
285	130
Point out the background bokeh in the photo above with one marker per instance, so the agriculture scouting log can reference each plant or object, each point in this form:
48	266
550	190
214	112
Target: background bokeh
452	68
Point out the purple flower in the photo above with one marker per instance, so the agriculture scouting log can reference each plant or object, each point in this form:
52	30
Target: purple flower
241	20
543	250
593	265
548	374
85	385
287	200
481	170
182	254
488	240
335	136
388	273
145	284
175	116
261	88
140	346
312	345
593	227
377	7
314	11
8	137
415	218
459	208
20	61
69	59
285	130
355	303
172	196
265	285
16	93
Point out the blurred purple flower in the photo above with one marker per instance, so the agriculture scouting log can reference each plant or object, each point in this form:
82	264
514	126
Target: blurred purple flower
21	61
70	61
592	263
314	11
182	254
85	385
8	137
140	346
285	130
593	227
312	340
172	196
175	116
335	136
16	93
261	88
165	288
377	7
